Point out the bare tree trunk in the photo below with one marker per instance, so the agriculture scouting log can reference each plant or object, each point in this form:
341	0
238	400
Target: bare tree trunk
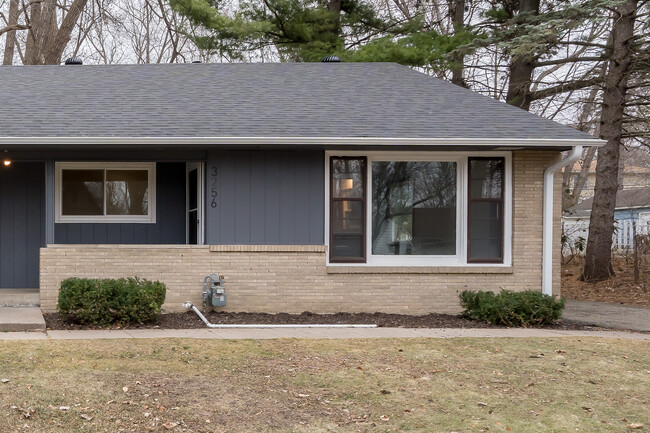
635	246
598	258
571	193
45	40
334	7
522	67
56	45
10	42
458	69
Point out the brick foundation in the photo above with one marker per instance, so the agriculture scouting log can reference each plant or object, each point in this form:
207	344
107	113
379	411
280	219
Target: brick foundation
295	278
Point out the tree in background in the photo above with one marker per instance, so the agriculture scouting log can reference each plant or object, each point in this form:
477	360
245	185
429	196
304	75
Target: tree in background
629	56
48	26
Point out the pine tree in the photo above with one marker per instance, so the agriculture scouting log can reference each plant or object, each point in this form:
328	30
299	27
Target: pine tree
308	30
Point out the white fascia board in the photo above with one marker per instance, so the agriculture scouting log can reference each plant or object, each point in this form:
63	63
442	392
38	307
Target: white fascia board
321	141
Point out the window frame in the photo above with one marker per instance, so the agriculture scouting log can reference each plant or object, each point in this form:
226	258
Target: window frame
485	200
363	200
462	205
150	167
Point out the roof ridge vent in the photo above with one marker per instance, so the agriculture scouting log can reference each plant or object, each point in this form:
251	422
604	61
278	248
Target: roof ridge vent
331	59
74	61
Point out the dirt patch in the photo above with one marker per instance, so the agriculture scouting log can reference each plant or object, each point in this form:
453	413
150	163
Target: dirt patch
190	320
619	289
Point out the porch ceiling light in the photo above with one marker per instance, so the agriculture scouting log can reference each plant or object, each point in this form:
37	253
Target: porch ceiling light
6	162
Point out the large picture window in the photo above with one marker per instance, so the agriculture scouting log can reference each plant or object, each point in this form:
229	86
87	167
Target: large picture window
407	196
419	209
105	192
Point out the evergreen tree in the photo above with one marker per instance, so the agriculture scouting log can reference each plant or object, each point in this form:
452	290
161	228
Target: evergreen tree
308	30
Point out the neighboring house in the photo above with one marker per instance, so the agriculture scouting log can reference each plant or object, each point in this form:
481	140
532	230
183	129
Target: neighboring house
632	214
630	176
317	187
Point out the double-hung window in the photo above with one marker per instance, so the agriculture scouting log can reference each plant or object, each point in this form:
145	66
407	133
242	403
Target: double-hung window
105	192
347	210
418	209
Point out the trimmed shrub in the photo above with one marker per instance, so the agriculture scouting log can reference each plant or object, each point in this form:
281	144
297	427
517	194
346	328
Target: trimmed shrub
516	309
110	301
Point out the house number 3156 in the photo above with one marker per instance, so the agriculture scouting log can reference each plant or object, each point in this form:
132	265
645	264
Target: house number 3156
213	187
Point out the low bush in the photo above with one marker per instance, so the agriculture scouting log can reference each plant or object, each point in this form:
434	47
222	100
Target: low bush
110	301
517	309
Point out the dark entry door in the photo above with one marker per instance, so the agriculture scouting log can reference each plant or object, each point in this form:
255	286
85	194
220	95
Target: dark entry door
22	223
194	203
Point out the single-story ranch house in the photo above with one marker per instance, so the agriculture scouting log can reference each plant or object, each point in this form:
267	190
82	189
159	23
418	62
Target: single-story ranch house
318	187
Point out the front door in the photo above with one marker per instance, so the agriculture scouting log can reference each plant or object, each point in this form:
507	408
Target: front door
22	223
195	203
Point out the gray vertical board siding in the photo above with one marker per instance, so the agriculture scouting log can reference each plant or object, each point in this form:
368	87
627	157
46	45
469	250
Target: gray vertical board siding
170	217
49	202
265	198
22	223
271	203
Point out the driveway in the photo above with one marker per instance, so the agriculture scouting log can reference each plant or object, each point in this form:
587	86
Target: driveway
615	316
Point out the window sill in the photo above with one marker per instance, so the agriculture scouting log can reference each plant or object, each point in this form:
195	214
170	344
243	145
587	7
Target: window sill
495	269
105	220
268	248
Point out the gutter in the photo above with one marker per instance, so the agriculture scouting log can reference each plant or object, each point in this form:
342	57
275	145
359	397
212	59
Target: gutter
503	143
547	225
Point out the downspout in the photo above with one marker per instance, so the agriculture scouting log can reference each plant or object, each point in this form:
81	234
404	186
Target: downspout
547	224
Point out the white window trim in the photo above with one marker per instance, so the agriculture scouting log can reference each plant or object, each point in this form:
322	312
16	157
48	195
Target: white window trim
58	191
461	159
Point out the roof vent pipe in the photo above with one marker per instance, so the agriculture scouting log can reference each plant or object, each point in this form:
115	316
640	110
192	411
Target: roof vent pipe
331	59
74	61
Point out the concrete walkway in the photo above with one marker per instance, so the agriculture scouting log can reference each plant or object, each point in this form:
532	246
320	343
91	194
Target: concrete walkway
21	319
327	333
613	316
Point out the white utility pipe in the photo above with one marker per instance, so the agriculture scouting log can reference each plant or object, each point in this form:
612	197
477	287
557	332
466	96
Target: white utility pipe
547	228
189	305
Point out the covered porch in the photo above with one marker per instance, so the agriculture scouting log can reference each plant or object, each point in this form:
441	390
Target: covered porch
91	200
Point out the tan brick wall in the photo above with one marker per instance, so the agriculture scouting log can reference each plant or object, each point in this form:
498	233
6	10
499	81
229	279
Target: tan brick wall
295	279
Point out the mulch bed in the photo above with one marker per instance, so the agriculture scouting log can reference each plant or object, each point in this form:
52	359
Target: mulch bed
190	320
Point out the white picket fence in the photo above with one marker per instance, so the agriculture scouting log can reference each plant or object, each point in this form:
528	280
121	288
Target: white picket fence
624	234
576	228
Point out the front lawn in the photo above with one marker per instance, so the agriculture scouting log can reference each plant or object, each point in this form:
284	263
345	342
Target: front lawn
424	385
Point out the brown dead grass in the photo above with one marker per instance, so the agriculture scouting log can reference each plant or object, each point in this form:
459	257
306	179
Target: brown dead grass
421	385
619	289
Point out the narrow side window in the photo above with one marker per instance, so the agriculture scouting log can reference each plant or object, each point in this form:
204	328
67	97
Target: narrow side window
347	210
485	210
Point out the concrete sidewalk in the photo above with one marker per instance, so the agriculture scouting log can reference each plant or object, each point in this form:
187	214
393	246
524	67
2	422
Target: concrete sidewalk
324	333
605	315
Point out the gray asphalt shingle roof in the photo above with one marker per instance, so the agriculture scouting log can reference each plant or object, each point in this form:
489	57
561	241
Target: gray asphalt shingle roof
254	100
625	199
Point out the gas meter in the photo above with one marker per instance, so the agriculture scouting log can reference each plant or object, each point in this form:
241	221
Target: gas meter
214	292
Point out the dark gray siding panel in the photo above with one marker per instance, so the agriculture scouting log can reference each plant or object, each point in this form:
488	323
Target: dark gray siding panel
265	198
170	217
22	223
